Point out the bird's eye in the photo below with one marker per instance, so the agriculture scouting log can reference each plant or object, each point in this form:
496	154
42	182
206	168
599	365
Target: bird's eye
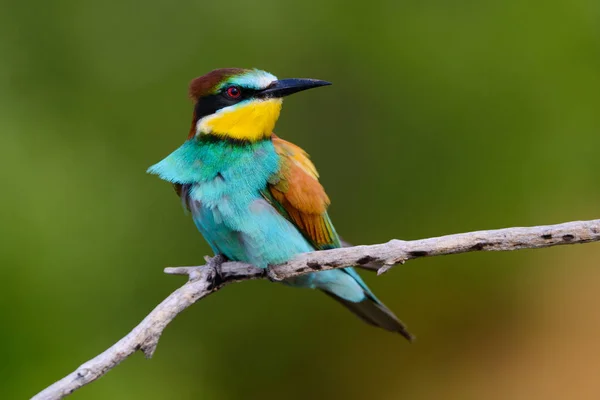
234	92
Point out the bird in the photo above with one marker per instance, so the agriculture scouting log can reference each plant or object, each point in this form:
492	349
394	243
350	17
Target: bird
254	196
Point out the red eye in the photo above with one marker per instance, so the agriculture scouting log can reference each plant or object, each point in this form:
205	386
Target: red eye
234	92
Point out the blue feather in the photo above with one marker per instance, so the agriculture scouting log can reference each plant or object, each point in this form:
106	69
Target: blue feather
223	181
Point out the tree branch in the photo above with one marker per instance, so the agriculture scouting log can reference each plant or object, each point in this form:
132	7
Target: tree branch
217	273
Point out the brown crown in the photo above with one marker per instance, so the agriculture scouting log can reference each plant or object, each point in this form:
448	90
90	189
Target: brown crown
205	84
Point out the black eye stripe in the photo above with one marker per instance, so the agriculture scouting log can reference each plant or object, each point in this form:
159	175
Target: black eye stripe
212	103
245	92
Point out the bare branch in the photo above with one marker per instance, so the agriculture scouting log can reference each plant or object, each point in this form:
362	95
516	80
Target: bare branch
207	279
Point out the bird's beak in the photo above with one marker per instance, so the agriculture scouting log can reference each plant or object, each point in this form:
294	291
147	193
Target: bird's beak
285	87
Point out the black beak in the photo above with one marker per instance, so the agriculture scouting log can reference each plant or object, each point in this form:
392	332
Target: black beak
284	87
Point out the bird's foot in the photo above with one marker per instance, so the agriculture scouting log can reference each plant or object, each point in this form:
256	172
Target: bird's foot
272	275
214	263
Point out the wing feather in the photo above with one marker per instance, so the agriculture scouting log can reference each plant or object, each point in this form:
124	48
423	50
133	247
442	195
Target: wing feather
295	191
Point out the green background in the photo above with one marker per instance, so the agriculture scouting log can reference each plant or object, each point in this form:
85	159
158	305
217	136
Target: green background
444	117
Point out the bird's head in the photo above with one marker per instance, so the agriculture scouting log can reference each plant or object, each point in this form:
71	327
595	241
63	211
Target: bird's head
241	104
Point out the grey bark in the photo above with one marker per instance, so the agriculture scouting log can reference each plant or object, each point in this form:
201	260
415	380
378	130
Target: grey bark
207	279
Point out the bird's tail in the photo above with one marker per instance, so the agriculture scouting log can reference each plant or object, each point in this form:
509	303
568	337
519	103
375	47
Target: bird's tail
347	287
375	313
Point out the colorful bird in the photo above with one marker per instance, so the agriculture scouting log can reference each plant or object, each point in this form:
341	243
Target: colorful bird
255	197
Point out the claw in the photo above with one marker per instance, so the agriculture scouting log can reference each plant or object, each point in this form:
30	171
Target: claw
215	263
272	275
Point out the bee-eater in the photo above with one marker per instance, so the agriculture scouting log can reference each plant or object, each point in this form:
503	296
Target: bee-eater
255	197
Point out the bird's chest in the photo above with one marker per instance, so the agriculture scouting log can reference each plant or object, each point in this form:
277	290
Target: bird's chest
233	178
228	197
234	217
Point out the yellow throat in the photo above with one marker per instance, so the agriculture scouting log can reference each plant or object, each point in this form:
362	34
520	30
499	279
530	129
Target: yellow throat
252	120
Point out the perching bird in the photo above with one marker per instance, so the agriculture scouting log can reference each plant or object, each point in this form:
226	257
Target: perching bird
255	197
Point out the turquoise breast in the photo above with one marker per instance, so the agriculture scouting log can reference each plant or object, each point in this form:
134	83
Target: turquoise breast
224	181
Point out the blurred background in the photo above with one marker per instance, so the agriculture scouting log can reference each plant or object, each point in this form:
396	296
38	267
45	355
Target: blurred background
444	117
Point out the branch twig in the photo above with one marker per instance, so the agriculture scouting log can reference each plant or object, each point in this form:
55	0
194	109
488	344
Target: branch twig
217	273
